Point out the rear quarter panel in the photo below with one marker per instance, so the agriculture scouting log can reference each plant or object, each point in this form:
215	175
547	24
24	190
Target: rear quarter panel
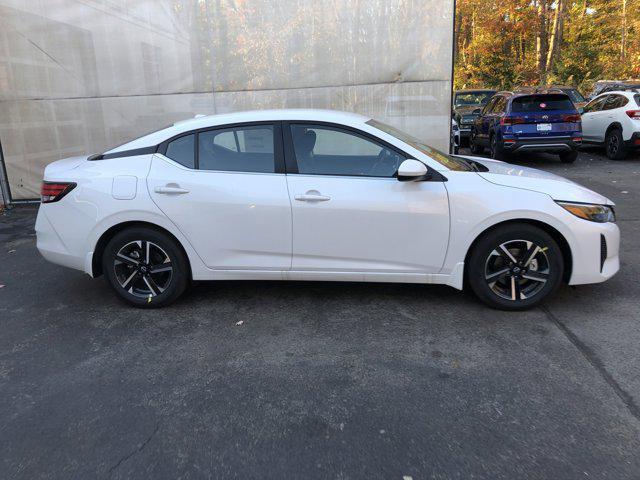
91	209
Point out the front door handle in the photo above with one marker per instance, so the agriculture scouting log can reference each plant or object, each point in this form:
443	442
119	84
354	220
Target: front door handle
170	190
312	197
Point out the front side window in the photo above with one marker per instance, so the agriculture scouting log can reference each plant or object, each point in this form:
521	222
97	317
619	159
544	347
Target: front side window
325	150
239	149
575	95
183	150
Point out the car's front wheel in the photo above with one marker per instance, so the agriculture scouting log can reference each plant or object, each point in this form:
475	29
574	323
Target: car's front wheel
145	267
515	267
476	148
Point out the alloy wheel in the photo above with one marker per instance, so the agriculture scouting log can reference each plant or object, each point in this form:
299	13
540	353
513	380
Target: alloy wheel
143	269
517	270
613	145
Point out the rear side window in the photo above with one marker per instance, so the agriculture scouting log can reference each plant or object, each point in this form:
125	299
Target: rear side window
595	105
241	149
537	103
182	150
500	105
637	99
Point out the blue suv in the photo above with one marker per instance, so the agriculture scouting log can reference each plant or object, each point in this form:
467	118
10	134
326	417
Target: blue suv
528	121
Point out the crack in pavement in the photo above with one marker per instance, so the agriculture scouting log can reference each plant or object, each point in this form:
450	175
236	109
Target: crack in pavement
139	449
596	363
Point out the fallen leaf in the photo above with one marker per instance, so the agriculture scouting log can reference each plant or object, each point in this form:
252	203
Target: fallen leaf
2	286
12	251
239	323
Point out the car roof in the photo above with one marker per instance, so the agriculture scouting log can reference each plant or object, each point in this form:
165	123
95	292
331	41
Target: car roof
198	122
525	91
476	90
624	93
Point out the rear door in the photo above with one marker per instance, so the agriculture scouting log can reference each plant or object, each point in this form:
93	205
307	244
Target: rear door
225	189
351	216
483	122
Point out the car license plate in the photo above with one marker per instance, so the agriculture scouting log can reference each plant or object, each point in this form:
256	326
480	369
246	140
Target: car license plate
544	127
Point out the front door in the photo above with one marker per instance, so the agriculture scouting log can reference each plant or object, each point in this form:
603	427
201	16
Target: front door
221	188
350	213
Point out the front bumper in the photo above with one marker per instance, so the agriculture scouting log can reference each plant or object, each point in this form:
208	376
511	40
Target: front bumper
540	144
596	256
465	132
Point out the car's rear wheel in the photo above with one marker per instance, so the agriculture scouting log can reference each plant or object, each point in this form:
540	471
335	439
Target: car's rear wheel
145	267
497	153
569	157
475	148
614	145
515	267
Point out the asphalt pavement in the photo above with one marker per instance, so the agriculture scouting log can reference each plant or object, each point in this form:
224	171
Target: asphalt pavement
321	380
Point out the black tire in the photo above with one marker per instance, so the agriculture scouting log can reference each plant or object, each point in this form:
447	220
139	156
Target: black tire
145	280
614	145
495	149
569	157
525	285
475	148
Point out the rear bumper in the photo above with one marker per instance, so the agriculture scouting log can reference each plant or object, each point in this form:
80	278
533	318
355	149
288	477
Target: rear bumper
51	246
634	142
540	144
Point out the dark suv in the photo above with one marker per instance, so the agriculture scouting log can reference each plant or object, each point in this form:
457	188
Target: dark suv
528	121
467	105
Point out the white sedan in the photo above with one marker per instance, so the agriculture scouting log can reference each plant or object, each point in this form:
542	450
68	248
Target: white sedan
318	195
613	120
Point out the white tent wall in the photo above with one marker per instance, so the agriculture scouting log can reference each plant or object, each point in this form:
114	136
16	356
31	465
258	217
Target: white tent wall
81	76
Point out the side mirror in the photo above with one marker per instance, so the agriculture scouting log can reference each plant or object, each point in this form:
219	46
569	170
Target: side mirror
412	170
581	110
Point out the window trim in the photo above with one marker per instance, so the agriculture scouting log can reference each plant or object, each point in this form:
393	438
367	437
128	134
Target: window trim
292	163
278	153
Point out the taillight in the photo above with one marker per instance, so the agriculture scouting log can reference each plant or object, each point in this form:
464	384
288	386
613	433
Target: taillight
574	118
635	114
511	120
54	191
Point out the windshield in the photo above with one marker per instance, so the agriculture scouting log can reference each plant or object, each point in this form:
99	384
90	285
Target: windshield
449	161
575	95
470	99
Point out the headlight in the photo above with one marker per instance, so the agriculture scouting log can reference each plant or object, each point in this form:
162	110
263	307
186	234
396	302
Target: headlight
593	213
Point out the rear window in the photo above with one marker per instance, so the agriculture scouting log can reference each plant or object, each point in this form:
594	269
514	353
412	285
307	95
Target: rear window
536	103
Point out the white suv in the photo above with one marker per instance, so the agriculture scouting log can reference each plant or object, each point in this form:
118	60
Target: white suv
612	119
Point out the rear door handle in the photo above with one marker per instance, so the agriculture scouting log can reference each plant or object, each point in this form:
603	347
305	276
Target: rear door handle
170	190
312	198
